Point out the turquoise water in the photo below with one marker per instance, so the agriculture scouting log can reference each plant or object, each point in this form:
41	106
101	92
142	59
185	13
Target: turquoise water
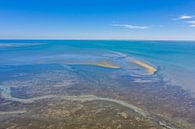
175	60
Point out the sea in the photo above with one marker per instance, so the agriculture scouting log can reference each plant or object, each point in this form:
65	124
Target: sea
173	60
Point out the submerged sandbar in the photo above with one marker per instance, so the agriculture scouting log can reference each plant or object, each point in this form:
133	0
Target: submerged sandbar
107	64
104	64
148	68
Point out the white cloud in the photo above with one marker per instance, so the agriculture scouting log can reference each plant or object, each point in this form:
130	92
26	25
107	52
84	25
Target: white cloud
184	17
193	25
191	22
187	19
131	26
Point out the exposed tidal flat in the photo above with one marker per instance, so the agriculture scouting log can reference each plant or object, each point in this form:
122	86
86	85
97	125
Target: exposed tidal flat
38	86
84	88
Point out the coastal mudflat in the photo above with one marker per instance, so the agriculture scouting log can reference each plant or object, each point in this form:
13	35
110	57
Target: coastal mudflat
88	96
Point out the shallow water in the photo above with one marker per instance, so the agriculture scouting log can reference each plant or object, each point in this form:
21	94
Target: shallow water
141	80
175	60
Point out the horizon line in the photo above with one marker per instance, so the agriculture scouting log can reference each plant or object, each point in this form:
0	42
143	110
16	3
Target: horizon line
100	39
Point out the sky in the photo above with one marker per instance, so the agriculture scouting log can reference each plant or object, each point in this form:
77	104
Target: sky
98	19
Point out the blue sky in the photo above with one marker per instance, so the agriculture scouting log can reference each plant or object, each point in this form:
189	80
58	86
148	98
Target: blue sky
97	19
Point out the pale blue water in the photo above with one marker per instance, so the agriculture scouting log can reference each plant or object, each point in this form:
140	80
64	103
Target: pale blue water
175	60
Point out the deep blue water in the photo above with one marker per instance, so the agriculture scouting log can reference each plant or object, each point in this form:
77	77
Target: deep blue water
175	60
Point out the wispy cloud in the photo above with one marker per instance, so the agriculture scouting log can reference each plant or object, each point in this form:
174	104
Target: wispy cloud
131	26
192	23
188	19
184	17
